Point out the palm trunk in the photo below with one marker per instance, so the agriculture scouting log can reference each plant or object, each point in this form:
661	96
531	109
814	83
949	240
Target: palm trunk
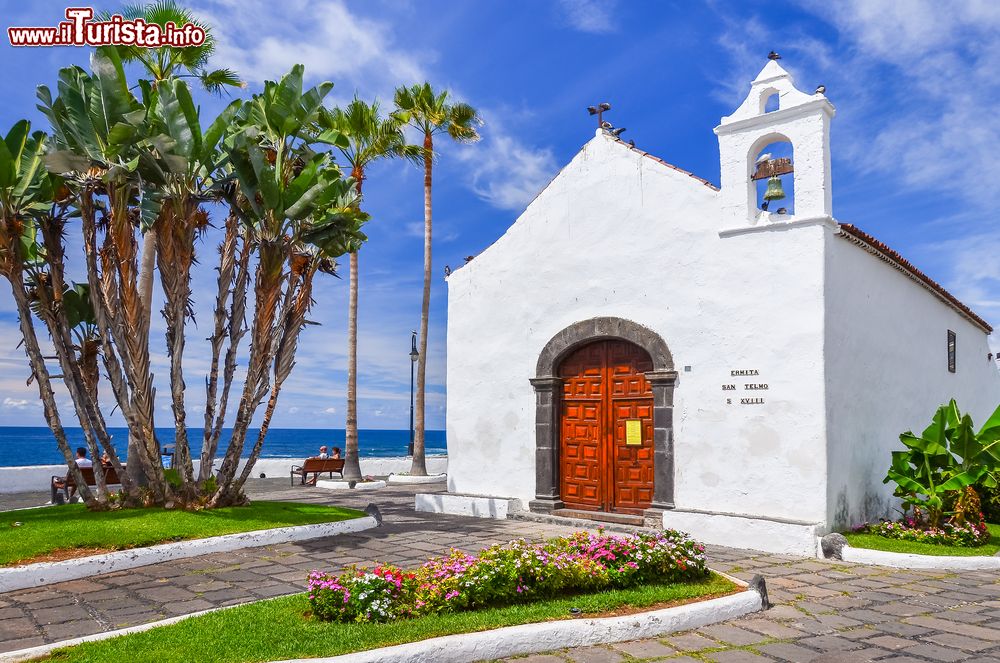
287	339
419	465
135	322
352	461
175	254
110	334
146	298
41	376
232	284
80	373
267	291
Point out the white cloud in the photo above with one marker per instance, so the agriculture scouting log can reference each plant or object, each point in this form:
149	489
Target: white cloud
330	410
594	16
975	274
937	71
16	403
262	40
505	171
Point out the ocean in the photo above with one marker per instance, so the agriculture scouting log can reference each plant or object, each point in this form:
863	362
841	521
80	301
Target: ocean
36	446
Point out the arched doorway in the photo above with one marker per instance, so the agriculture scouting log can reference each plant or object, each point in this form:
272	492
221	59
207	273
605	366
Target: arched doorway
606	428
555	360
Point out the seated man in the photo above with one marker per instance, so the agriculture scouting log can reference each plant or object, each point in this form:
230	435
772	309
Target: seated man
322	453
60	483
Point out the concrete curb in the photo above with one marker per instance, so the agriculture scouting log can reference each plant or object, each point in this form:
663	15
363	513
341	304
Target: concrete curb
339	484
545	636
45	573
498	643
407	480
913	561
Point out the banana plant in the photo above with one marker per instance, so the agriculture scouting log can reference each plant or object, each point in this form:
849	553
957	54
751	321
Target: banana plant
945	459
300	213
100	145
192	168
27	199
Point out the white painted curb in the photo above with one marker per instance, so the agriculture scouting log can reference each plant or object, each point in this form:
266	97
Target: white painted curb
339	484
45	573
409	479
913	561
545	636
509	641
44	650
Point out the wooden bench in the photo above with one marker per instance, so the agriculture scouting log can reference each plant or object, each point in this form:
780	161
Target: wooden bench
69	481
316	466
110	477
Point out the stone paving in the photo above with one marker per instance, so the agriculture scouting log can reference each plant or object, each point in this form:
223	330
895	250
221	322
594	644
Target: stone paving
824	612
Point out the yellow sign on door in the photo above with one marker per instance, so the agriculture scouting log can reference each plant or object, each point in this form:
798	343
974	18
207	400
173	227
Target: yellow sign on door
633	432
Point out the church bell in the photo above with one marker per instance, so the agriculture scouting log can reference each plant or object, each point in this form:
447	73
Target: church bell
774	190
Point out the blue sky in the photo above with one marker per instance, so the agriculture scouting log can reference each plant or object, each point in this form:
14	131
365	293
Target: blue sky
916	140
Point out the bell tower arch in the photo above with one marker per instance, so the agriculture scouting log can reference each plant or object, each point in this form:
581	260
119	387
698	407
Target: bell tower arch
800	119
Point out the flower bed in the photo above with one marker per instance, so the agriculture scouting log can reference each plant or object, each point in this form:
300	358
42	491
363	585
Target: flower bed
967	535
516	572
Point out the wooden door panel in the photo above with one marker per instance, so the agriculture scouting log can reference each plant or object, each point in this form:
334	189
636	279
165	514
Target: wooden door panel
604	386
580	454
633	465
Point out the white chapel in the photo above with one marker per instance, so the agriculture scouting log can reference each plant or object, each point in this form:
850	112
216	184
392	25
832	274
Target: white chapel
642	346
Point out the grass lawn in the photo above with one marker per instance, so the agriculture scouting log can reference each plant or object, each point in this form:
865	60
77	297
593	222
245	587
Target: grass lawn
278	629
876	542
61	532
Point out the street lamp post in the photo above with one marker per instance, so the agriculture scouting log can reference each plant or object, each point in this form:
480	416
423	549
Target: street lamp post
414	355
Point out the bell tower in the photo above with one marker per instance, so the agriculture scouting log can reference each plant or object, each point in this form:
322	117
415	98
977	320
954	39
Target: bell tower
800	119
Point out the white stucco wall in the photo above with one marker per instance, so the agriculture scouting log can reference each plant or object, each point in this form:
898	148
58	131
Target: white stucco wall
619	234
887	372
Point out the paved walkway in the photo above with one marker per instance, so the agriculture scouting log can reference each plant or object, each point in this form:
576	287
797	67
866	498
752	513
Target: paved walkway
824	612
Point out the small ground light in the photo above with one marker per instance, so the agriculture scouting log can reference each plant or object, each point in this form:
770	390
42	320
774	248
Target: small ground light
575	611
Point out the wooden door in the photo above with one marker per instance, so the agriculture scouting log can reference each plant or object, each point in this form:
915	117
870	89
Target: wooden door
604	387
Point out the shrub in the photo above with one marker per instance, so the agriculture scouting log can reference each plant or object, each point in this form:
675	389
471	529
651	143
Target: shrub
514	572
937	466
360	595
989	497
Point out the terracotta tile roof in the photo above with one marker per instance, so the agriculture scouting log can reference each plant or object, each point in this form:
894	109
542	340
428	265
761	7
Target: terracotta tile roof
880	250
668	165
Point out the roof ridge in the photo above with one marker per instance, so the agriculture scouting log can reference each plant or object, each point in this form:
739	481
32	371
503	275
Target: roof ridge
665	163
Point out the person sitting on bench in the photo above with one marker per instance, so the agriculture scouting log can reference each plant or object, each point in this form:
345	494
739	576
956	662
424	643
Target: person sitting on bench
59	483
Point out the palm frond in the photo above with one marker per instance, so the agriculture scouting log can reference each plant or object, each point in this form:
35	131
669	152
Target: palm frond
216	81
432	113
164	62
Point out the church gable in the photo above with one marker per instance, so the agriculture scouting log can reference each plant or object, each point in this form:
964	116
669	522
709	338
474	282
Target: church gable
612	186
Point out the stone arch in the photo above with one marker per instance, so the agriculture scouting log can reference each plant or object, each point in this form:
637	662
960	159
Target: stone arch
580	333
547	385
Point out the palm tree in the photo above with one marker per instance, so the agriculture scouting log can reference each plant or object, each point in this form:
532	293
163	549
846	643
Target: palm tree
162	64
370	137
430	114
